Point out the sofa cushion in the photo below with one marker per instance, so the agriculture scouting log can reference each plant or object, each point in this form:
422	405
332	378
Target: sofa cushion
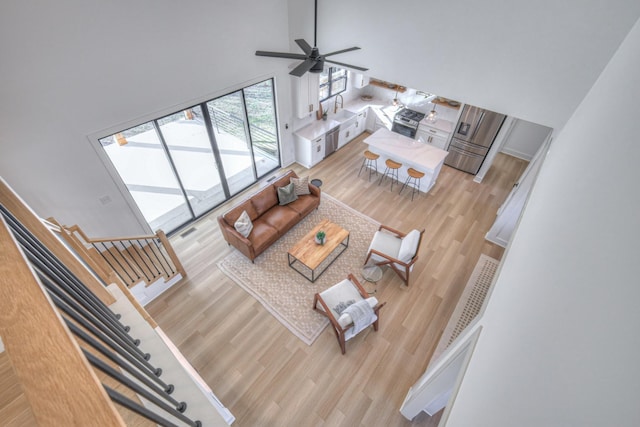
232	216
386	243
409	246
305	204
287	194
264	200
263	235
281	218
243	225
301	185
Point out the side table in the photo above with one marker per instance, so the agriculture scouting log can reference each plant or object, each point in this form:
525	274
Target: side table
372	273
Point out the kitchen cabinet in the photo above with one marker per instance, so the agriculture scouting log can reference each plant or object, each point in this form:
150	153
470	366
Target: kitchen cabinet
346	134
371	120
432	136
360	80
306	91
361	122
309	152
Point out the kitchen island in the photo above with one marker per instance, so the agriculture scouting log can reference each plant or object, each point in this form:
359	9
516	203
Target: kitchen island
410	152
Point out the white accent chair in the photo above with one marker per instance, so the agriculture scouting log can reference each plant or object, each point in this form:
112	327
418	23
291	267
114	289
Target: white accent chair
395	249
338	295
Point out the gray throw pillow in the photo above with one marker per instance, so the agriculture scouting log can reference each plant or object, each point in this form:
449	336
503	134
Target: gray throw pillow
287	194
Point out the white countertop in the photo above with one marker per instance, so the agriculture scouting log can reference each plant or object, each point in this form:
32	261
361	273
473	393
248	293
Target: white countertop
317	129
406	150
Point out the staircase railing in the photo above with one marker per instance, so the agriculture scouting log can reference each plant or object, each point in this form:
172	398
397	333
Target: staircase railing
74	355
132	259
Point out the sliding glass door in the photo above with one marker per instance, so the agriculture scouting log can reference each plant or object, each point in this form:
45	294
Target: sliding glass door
189	147
180	166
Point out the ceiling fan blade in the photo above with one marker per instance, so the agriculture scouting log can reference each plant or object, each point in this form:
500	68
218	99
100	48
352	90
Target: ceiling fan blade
347	65
303	68
280	54
304	46
341	51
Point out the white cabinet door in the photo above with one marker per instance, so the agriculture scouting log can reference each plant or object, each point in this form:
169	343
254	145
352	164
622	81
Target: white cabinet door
306	90
317	150
360	80
346	135
371	120
309	152
432	136
361	122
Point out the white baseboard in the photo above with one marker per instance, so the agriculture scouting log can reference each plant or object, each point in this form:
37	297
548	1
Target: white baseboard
145	294
516	153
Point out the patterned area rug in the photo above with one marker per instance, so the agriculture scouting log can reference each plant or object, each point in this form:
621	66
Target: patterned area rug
284	292
470	301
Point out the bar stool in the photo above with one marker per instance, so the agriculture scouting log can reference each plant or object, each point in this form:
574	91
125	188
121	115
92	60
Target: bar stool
413	180
370	161
391	170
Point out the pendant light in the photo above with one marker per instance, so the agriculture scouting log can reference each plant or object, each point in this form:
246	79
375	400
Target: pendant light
433	114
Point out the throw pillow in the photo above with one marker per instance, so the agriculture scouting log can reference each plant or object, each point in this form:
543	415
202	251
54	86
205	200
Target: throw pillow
243	225
409	246
342	305
301	185
287	194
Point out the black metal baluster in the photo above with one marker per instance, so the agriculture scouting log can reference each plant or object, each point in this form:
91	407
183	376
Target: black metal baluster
146	252
163	257
128	249
130	281
28	239
130	365
124	258
143	258
139	409
116	344
151	245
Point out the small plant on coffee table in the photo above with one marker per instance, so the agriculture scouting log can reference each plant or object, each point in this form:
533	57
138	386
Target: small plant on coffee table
320	236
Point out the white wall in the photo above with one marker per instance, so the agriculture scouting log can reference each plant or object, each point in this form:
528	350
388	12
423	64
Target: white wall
532	60
560	341
72	68
525	139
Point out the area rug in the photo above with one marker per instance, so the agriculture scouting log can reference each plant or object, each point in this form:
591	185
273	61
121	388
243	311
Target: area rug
470	301
284	292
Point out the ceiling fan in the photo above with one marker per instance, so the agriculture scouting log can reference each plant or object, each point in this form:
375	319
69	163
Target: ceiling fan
313	60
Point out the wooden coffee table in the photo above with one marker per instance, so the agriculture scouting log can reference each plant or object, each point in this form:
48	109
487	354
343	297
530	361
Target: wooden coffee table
311	259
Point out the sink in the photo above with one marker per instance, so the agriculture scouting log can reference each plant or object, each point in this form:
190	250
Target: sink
343	116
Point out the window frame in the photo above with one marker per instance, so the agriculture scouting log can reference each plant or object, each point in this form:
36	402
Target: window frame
331	80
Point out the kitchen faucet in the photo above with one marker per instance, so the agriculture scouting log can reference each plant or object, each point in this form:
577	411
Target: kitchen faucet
335	104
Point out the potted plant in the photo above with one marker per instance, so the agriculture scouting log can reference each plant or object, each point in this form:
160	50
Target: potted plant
320	236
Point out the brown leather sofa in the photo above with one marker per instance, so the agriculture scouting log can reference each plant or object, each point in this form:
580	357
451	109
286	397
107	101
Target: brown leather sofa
270	220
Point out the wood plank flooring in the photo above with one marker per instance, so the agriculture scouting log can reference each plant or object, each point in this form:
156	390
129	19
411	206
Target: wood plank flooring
268	377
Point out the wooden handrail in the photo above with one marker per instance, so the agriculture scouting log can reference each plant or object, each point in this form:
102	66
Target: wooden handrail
160	235
76	228
14	204
57	380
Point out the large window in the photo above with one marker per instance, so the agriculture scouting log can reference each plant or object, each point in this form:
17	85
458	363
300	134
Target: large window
332	81
180	166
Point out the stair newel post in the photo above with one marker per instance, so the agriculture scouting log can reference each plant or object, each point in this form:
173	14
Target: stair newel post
171	253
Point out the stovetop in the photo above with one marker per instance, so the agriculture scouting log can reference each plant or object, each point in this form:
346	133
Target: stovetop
408	117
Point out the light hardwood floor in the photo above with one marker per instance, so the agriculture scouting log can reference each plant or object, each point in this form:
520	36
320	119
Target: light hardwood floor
268	377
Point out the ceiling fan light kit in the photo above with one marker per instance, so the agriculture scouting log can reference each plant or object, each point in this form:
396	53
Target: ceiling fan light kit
313	61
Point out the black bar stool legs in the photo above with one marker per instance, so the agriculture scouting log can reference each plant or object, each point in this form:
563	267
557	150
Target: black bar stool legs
391	170
370	161
413	180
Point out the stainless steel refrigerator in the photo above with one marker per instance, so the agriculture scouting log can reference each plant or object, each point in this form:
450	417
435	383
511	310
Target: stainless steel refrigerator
472	138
